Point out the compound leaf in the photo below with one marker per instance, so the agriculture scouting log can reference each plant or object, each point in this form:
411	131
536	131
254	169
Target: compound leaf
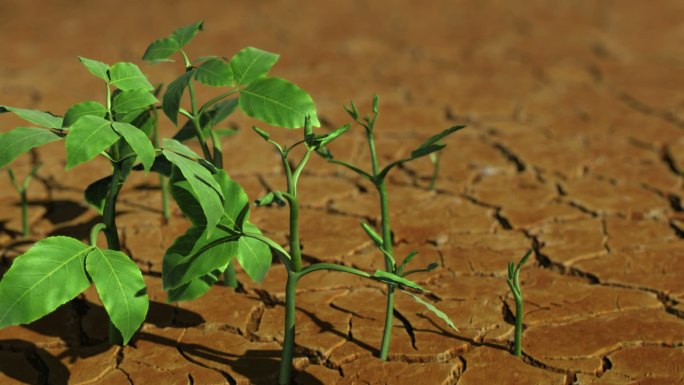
251	64
139	142
254	255
97	68
76	111
127	76
278	102
184	34
121	287
195	254
193	289
21	140
174	94
96	193
43	119
88	137
161	49
214	72
40	280
132	100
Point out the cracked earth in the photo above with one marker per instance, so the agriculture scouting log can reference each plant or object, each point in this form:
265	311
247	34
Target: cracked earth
574	146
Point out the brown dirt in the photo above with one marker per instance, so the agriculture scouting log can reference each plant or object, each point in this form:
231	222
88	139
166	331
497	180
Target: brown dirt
575	144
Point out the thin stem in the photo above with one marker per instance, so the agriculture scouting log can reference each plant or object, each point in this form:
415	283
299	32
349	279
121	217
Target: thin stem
517	350
215	100
300	167
435	171
386	242
94	232
194	118
295	249
285	373
166	212
24	214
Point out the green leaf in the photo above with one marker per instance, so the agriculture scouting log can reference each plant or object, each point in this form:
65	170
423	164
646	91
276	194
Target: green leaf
161	49
204	188
251	64
236	200
121	287
21	140
278	102
140	143
43	119
406	260
193	289
197	253
97	68
88	137
384	276
40	280
96	193
433	309
184	34
174	94
375	237
211	117
76	111
133	100
434	139
214	72
325	139
179	148
127	76
183	195
254	255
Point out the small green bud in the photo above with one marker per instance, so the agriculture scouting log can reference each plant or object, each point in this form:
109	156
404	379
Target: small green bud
376	102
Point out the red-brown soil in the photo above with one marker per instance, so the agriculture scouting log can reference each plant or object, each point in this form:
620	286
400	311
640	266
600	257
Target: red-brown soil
575	144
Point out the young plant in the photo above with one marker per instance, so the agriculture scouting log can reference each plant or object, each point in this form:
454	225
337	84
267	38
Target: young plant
246	85
513	281
56	269
21	190
434	158
377	177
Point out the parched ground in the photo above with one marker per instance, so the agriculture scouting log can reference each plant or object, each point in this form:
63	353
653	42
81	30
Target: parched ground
574	145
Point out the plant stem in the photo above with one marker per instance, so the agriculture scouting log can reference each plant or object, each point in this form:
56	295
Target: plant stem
24	214
517	350
386	246
435	172
166	212
289	333
195	119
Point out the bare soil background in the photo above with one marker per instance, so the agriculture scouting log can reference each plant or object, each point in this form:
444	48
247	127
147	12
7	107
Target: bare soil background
574	145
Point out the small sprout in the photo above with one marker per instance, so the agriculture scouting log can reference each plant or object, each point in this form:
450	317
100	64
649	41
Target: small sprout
375	237
269	199
513	281
22	189
261	132
376	102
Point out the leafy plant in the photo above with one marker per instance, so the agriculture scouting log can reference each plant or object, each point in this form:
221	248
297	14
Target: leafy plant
21	190
513	281
377	177
53	269
270	99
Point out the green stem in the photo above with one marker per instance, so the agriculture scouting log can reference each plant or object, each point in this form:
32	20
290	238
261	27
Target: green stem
517	350
386	245
285	373
333	267
94	232
166	212
24	214
295	250
435	171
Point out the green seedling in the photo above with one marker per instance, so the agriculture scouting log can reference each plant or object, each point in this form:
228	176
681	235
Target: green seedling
377	177
56	269
22	190
245	85
434	158
513	281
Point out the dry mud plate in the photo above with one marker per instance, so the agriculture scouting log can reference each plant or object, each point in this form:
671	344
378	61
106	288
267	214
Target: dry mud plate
574	146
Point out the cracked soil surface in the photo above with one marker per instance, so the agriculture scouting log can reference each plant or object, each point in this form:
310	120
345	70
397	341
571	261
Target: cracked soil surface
574	146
